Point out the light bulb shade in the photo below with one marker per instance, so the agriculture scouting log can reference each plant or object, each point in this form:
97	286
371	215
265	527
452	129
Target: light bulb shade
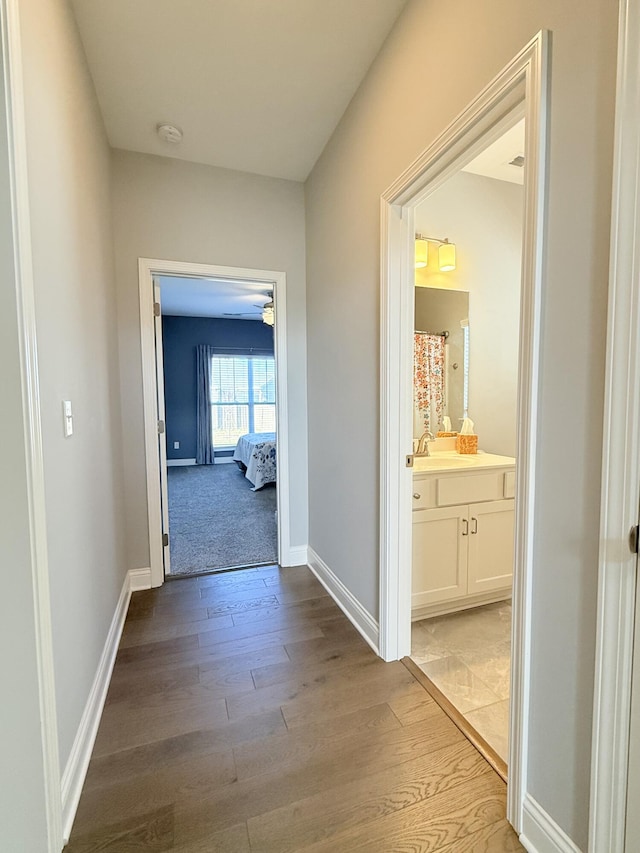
268	314
422	253
447	257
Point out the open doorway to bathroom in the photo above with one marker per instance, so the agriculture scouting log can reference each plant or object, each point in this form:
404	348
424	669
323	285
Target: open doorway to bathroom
466	356
219	382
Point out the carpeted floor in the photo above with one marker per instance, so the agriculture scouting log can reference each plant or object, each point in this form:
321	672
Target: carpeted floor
216	521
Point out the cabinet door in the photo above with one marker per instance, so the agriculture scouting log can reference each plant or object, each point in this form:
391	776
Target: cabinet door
440	548
491	527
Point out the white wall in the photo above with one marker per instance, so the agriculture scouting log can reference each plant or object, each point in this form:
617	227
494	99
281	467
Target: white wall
483	216
385	127
169	209
69	177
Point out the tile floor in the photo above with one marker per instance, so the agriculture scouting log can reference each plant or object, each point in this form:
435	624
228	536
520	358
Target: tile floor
466	655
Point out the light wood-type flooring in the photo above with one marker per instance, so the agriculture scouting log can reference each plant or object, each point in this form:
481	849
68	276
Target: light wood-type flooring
246	714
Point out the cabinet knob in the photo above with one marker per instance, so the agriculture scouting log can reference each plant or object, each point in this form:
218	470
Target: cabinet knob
416	495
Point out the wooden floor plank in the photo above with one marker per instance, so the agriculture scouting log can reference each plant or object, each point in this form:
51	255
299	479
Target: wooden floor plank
246	714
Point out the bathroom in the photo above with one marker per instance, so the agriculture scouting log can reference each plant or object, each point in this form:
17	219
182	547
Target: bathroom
466	346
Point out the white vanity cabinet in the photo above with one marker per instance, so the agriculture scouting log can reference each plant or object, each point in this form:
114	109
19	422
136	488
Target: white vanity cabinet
463	536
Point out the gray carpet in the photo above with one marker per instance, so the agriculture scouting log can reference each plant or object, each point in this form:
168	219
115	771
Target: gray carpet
216	521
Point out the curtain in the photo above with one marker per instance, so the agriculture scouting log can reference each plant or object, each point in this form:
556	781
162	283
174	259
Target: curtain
204	443
428	379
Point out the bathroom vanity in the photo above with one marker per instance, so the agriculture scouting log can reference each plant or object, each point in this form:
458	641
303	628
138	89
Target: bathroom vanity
463	531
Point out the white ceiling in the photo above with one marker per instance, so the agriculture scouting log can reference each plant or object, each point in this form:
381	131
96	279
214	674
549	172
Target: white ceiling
494	161
255	85
202	297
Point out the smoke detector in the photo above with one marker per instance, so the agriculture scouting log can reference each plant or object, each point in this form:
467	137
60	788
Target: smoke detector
169	133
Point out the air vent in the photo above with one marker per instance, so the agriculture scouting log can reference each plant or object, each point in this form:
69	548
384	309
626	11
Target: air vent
517	161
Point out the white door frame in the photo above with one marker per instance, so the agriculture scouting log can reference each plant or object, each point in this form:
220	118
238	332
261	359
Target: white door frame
521	86
147	268
16	183
621	462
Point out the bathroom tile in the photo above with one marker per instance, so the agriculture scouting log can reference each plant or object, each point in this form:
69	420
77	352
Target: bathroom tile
492	722
487	628
423	647
461	687
494	670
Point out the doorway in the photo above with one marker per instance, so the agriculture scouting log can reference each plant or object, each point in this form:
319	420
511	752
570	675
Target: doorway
466	354
195	523
518	92
218	363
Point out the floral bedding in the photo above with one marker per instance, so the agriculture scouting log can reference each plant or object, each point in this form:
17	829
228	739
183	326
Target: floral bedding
256	451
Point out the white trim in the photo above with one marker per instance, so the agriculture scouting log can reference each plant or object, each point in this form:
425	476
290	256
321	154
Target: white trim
358	615
139	579
621	463
521	89
147	268
27	343
540	833
299	555
222	460
78	762
176	463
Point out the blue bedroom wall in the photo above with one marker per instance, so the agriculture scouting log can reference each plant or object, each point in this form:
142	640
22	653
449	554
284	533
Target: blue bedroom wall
180	337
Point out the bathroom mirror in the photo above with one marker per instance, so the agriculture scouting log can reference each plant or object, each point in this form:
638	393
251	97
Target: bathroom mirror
436	311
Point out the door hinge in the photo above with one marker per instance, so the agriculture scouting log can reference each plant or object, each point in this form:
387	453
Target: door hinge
165	539
634	536
160	427
156	309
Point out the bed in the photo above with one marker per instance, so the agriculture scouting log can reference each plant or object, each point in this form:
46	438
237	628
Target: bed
255	454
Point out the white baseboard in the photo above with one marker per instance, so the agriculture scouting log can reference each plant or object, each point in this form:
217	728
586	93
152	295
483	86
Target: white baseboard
540	833
139	579
298	556
223	460
172	463
346	601
78	763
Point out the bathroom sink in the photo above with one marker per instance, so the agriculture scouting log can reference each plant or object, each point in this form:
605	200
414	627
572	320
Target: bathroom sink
451	461
441	460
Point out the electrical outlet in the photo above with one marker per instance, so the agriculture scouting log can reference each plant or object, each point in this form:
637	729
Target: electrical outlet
176	445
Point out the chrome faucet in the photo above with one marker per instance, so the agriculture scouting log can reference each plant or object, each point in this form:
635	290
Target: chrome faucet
423	443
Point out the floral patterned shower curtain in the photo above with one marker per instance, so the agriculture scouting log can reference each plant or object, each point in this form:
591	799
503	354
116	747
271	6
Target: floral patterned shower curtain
428	378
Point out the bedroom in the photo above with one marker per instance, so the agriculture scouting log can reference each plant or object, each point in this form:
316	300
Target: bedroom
219	396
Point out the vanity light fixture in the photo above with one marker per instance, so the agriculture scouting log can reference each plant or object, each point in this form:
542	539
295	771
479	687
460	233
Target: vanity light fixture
422	253
446	252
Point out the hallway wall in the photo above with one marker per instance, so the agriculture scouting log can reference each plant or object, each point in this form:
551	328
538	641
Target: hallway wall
69	178
171	209
385	127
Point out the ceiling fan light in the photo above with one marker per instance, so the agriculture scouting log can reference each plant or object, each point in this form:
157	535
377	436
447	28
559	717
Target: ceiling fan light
268	314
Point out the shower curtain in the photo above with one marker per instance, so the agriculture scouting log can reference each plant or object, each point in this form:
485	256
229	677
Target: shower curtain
428	380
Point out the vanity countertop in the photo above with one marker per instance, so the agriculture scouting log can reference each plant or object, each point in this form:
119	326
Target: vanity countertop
450	461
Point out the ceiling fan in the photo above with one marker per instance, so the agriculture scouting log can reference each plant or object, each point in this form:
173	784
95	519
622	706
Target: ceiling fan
260	309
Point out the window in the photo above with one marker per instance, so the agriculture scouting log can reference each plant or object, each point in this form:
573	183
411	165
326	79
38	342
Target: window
243	397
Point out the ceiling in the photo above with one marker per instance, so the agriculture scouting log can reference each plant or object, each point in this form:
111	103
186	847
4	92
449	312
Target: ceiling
254	85
202	297
494	161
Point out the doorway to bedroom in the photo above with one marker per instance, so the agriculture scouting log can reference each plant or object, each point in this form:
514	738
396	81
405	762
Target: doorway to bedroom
216	379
